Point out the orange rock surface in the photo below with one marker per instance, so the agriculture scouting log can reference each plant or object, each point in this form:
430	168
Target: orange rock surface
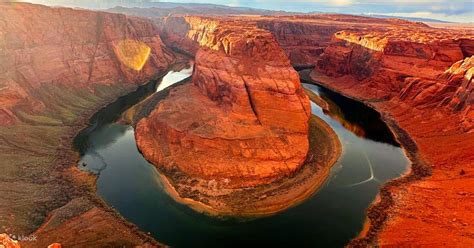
58	66
244	118
43	46
7	242
421	80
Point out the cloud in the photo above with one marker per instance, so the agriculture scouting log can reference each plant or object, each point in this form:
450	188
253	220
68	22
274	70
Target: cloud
462	10
466	17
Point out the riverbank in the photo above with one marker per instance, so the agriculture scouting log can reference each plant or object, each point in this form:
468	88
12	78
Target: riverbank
325	149
377	213
388	216
87	208
75	203
213	198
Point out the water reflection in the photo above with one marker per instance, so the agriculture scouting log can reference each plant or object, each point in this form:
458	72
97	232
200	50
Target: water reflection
354	116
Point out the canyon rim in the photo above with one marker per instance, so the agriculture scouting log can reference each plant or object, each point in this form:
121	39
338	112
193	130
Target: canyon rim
251	135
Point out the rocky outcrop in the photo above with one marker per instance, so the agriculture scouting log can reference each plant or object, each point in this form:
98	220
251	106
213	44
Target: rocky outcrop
451	90
305	37
44	47
402	65
243	121
58	66
7	242
421	80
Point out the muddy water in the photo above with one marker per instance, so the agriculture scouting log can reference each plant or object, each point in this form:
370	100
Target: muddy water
330	218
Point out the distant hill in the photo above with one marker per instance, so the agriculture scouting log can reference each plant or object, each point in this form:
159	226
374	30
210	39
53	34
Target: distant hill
414	19
155	8
150	8
159	9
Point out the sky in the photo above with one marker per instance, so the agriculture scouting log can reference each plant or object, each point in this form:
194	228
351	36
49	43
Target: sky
448	10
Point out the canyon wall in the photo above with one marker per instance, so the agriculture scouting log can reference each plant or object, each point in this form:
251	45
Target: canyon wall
305	37
425	70
421	81
243	121
42	47
58	66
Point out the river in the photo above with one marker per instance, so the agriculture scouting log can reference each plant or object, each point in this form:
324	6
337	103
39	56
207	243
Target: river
330	218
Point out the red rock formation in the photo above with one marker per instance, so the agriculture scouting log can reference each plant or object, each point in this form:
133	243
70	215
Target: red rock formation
57	67
305	37
394	63
244	120
7	242
451	90
43	46
422	81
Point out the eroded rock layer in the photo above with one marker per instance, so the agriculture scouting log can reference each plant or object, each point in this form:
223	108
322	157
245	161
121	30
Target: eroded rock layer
58	66
44	47
421	80
244	118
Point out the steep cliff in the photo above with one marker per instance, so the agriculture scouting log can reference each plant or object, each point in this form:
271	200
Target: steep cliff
400	64
57	67
44	47
452	91
244	120
304	37
421	80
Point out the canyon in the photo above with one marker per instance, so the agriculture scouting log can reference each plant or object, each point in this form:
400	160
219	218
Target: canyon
241	123
60	65
424	88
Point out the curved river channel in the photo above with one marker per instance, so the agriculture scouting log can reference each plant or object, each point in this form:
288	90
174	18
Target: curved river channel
330	218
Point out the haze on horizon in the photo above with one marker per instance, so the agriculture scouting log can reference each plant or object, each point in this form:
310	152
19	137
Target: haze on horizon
445	10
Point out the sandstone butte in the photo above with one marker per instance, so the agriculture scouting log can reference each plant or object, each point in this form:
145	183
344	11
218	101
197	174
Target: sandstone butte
244	119
418	77
58	66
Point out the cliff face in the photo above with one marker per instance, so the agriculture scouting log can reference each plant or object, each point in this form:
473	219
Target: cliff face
422	81
57	67
45	47
452	91
304	38
412	68
244	120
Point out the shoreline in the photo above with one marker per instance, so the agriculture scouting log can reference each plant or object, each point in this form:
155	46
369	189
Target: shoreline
377	212
83	183
269	199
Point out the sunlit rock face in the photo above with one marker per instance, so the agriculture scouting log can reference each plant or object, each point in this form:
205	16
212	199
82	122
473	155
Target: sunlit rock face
244	118
45	47
7	242
381	60
451	90
421	80
133	53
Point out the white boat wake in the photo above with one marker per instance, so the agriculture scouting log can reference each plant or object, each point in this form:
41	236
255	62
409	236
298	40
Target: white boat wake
372	176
